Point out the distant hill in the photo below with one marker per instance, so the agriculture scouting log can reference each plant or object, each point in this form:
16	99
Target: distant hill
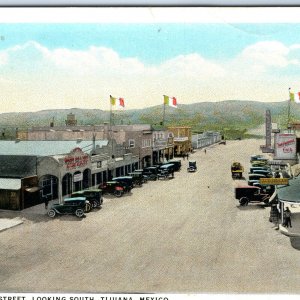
232	114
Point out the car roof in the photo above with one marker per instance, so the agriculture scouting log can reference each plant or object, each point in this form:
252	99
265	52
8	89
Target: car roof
167	165
75	198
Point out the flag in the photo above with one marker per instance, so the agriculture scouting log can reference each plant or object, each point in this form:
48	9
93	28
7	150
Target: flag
171	101
295	97
117	101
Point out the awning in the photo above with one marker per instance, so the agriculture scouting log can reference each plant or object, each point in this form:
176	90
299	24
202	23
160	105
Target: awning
290	193
10	183
33	189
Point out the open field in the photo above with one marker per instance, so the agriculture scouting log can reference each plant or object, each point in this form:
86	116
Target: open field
187	234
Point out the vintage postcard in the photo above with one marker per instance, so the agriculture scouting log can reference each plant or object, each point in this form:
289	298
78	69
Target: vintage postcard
149	152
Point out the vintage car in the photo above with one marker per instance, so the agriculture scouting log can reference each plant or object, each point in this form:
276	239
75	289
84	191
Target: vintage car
257	157
252	169
70	206
137	178
151	172
139	174
246	194
126	182
94	196
266	172
259	163
254	178
192	166
176	163
170	168
237	170
112	187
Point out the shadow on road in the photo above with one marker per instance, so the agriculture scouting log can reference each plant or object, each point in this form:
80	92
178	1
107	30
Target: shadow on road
251	207
295	242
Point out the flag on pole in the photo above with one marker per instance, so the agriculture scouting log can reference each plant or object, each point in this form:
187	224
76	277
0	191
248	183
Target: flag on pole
171	101
295	97
117	101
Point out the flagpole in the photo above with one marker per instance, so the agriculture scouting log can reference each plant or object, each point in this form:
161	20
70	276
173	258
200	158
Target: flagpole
164	112
289	109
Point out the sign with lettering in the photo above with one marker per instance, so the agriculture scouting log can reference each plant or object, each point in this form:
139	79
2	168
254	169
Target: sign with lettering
274	181
285	146
76	159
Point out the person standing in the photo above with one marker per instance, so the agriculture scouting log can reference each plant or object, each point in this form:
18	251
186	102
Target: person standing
46	202
287	218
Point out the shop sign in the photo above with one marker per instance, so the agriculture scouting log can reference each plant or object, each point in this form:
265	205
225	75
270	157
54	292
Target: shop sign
76	159
274	181
77	177
285	146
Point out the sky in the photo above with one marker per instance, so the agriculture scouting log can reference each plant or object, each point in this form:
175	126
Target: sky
58	61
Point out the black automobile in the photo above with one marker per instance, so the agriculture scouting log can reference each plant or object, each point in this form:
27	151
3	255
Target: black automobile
137	178
176	163
192	166
139	174
151	172
126	182
112	187
94	196
70	206
246	194
170	168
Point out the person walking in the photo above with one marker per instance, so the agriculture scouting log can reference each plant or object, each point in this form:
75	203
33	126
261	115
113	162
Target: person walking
274	216
205	151
187	156
287	218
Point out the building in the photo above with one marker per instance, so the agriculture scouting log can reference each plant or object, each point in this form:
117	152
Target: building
31	170
182	139
205	139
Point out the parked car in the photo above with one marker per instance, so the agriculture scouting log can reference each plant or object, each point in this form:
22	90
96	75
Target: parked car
267	173
246	194
151	172
176	163
192	166
137	177
170	168
94	196
255	178
259	168
259	163
257	157
125	181
112	187
144	177
70	206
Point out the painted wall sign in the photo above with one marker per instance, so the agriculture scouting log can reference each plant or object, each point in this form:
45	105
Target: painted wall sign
285	146
274	181
76	159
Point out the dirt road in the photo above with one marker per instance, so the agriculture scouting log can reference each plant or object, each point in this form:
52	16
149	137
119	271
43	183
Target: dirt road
185	235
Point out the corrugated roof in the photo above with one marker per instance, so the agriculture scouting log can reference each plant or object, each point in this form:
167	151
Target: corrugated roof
10	184
45	148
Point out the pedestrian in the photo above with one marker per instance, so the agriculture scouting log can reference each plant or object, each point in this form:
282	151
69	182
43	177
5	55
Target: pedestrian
172	173
274	216
205	151
287	218
187	156
46	202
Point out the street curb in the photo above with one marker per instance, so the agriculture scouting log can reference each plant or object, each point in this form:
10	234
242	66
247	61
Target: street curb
11	225
284	231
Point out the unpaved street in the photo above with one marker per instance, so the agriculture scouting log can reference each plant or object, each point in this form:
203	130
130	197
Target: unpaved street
186	235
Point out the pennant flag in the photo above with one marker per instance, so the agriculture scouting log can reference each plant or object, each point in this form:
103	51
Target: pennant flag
295	97
171	101
117	101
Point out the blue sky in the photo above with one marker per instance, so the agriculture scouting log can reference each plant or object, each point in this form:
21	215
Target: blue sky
65	65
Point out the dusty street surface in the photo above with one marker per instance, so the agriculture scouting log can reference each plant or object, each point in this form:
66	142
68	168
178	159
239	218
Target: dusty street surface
186	235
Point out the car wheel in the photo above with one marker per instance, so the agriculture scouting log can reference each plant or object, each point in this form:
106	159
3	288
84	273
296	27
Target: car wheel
51	213
118	193
101	202
79	212
95	204
244	201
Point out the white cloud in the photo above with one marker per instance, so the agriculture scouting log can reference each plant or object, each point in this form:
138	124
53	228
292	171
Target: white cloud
58	78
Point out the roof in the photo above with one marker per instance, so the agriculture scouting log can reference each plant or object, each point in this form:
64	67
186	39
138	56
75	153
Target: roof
291	192
10	184
45	148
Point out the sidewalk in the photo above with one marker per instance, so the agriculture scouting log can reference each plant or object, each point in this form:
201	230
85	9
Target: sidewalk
9	219
295	230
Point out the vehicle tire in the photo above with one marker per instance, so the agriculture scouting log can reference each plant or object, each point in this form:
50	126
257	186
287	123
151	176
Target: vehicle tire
95	204
79	212
118	193
101	202
51	213
244	201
